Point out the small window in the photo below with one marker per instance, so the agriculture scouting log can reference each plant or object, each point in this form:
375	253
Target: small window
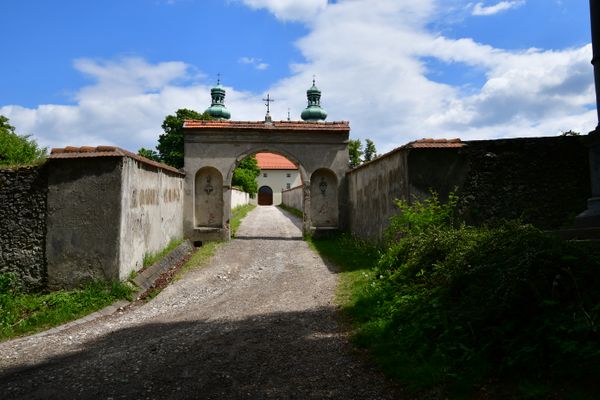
289	175
264	174
288	185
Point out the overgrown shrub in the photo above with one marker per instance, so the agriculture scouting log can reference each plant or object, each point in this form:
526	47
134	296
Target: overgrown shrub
457	304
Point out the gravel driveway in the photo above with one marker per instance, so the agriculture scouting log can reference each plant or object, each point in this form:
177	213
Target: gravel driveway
257	323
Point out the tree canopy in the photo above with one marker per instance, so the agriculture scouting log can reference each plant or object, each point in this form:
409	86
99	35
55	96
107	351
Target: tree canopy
170	143
17	149
244	176
354	152
370	150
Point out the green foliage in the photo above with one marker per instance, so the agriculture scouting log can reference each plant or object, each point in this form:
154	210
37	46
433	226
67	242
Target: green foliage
151	258
23	313
570	133
16	149
237	214
354	152
421	215
245	174
370	150
292	210
170	143
149	154
452	306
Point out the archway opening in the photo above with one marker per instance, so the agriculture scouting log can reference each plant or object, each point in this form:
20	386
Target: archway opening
268	168
265	196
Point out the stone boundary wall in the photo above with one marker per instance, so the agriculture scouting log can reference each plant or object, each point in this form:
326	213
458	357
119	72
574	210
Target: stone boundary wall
544	181
23	225
293	197
239	198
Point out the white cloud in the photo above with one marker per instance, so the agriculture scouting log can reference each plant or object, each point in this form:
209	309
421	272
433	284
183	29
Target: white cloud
290	10
255	62
481	10
370	67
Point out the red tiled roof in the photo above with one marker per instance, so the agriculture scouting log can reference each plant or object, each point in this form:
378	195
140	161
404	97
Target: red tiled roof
274	161
106	151
435	143
277	125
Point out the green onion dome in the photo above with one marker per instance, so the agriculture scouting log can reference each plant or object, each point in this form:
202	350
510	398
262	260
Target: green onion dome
313	112
217	108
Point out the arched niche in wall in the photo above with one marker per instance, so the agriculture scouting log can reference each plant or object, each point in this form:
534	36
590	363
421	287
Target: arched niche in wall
323	199
208	198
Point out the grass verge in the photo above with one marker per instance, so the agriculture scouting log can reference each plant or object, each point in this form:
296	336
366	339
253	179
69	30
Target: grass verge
292	210
151	258
504	312
27	313
237	214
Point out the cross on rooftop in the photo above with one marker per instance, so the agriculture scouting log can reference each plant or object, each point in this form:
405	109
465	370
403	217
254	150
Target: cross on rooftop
268	100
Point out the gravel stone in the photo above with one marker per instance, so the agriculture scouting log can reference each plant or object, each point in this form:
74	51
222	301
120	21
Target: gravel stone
257	323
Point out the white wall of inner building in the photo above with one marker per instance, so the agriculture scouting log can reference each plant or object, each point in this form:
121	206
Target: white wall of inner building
278	180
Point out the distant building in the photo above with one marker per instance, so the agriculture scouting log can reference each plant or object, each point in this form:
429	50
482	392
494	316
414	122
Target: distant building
277	173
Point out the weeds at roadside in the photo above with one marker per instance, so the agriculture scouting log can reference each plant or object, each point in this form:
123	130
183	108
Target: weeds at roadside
505	311
25	313
292	210
151	258
237	214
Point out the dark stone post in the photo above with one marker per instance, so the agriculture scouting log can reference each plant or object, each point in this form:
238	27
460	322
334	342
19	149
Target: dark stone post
590	218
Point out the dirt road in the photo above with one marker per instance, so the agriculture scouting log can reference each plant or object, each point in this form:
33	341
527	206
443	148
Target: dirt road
257	323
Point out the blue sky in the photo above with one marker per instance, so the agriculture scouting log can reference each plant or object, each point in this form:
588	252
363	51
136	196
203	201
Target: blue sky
107	72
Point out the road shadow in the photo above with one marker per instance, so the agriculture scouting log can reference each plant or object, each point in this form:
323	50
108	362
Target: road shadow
296	355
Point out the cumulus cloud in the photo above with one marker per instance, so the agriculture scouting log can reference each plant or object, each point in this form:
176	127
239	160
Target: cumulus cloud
257	63
290	10
481	10
372	69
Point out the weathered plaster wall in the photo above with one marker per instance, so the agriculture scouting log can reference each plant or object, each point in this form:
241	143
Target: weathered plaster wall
83	223
23	225
239	198
152	212
543	181
293	197
372	189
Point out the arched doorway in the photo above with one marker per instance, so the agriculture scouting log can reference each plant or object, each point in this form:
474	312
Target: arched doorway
224	144
265	196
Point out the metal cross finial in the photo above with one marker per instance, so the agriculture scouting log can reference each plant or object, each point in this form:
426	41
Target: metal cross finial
218	78
314	77
268	100
289	119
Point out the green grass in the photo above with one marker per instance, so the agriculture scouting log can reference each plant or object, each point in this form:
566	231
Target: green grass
27	313
237	214
200	258
151	258
292	210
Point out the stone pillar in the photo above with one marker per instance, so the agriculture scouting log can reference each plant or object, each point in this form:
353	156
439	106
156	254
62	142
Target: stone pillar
590	218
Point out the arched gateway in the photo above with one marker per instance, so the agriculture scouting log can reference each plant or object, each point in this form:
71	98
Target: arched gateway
214	148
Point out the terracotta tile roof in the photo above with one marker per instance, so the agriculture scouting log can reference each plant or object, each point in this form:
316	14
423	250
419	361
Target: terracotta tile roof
435	143
106	151
274	161
276	125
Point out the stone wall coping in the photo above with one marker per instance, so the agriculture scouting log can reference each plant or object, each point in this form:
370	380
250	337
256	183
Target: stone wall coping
299	126
107	151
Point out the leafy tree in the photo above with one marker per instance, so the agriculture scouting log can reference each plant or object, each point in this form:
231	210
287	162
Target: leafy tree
244	176
170	143
570	133
17	149
370	150
354	152
149	154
